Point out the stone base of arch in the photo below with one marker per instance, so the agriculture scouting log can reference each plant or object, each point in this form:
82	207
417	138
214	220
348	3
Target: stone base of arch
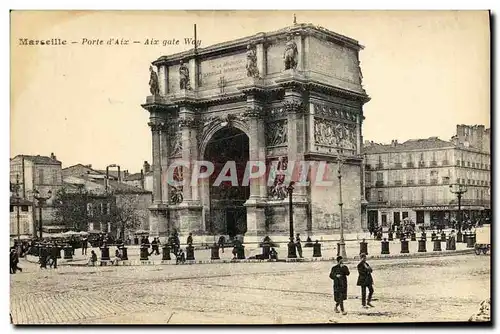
186	218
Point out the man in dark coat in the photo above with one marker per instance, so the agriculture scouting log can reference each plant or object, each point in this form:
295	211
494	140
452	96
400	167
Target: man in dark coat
365	281
339	275
85	245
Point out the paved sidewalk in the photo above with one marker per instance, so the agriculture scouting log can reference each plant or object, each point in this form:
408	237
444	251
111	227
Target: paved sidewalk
409	289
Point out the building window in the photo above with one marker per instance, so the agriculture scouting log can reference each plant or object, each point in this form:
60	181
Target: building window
40	176
421	163
468	163
463	163
380	163
380	195
446	180
54	177
24	208
410	182
405	214
463	181
12	208
398	183
409	163
468	181
458	163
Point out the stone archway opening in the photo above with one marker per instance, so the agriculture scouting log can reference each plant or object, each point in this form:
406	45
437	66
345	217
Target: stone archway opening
228	147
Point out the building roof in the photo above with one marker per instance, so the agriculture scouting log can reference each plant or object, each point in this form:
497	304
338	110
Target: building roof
133	177
122	188
22	201
89	171
409	145
111	173
39	159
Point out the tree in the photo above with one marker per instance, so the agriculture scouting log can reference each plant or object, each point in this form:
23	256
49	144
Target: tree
77	209
126	213
70	208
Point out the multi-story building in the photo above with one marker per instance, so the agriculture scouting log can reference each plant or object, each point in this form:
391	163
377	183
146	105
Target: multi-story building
40	173
21	213
412	179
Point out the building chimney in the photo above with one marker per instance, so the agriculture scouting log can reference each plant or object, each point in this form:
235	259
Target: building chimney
142	179
146	167
88	166
53	156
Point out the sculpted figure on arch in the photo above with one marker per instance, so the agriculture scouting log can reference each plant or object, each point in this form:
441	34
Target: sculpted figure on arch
290	54
184	76
153	82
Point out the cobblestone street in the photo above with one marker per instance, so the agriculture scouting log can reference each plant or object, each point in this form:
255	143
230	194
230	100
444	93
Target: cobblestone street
423	289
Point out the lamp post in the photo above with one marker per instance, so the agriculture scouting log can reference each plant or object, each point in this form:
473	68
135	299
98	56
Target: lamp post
292	254
459	190
41	201
341	245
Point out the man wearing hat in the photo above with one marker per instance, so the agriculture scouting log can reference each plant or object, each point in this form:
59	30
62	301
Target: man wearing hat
339	275
365	280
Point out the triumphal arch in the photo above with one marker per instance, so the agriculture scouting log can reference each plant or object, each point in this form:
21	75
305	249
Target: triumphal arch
280	99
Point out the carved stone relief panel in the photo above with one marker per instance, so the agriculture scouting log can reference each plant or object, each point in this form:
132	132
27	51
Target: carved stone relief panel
277	133
335	134
333	112
278	191
175	191
174	139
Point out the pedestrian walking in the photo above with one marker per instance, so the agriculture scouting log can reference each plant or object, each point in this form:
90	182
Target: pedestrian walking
155	247
298	245
14	260
339	275
365	281
54	251
85	245
43	256
93	258
222	242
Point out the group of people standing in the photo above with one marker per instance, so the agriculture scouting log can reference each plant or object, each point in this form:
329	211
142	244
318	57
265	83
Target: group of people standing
339	275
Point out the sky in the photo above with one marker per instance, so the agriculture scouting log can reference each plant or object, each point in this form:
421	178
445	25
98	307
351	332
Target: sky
425	72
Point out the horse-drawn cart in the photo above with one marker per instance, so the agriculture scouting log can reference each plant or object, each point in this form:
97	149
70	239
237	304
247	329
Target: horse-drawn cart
483	243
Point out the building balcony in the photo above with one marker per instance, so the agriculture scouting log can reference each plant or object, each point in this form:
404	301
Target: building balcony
398	183
434	163
410	165
422	182
379	183
434	181
380	166
467	202
428	204
398	165
421	164
445	163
